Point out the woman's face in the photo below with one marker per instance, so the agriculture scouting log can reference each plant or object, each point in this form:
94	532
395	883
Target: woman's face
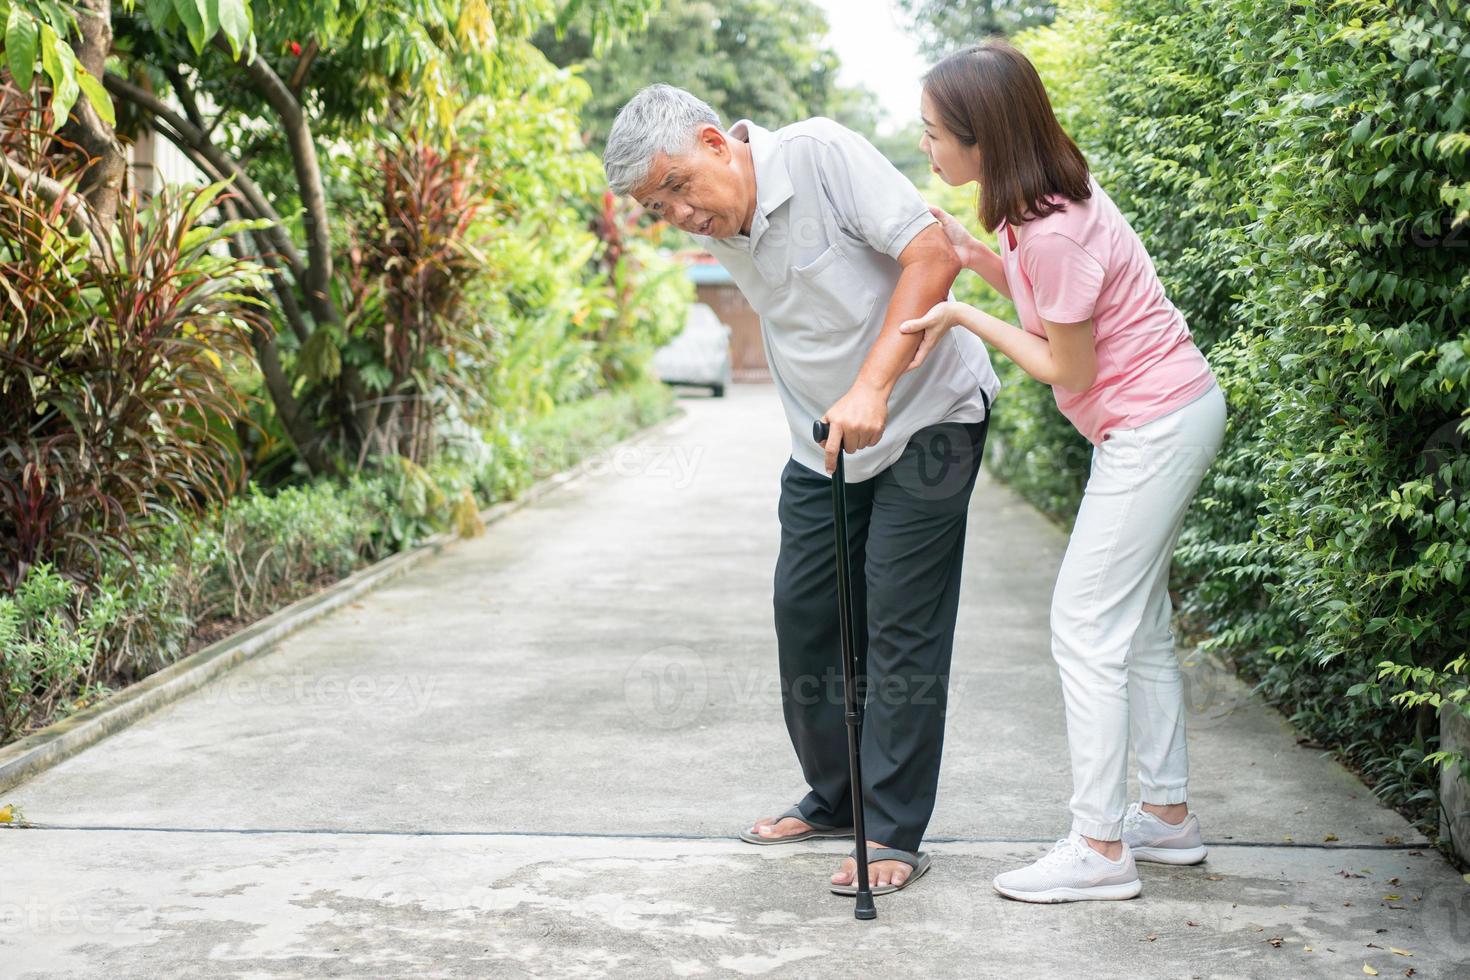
954	162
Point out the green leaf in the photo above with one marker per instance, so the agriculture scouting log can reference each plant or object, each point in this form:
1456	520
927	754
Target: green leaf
97	95
234	21
204	199
193	20
60	63
21	35
209	14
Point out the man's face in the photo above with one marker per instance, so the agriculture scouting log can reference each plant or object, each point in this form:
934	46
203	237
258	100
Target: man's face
703	192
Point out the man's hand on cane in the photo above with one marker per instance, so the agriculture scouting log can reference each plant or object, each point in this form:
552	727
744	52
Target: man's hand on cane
857	421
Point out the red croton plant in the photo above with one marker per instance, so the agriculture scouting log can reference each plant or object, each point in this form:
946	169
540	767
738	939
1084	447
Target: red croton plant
115	407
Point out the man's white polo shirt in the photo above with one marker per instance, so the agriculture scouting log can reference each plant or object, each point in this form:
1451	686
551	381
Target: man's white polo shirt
819	265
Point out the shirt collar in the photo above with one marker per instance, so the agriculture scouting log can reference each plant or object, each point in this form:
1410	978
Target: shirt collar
772	179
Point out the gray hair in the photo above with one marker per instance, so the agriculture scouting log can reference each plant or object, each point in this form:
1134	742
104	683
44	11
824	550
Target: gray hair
659	119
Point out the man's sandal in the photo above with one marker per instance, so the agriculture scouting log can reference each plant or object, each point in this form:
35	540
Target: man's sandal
817	831
917	860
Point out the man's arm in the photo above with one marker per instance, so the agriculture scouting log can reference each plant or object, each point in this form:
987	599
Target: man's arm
930	265
975	254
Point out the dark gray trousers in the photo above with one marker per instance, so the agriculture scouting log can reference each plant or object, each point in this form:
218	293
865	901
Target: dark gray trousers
906	538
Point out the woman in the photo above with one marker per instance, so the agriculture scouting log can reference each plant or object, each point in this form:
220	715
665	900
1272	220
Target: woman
1097	327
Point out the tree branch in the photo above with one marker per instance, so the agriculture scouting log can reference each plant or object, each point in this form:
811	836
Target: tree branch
186	98
308	443
102	181
298	77
79	216
186	136
280	282
308	179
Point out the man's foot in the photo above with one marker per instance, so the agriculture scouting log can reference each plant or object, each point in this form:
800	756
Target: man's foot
1072	872
778	828
1151	838
880	873
789	828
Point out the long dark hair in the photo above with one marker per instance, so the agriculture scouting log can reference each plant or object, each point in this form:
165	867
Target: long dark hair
990	95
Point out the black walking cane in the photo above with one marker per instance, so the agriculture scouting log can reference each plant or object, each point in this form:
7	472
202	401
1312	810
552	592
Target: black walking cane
850	675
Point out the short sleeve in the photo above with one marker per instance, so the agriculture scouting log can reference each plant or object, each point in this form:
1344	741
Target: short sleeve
1065	278
872	200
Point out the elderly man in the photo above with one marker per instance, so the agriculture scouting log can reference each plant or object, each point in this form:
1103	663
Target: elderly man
834	249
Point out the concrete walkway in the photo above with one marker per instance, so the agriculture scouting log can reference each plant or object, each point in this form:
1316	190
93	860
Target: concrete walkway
530	757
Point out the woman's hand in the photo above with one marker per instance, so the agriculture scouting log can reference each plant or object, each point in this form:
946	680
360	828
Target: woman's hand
975	254
967	246
933	325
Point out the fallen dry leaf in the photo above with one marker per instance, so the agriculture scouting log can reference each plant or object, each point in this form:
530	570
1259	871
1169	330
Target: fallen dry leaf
1190	922
1401	952
1393	840
1149	938
1222	877
1369	970
1392	898
7	813
1276	941
1328	838
1349	874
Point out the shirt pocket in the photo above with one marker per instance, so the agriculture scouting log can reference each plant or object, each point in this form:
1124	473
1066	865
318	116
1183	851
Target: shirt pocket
839	298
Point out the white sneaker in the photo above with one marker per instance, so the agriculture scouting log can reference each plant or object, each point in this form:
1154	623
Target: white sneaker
1072	872
1152	839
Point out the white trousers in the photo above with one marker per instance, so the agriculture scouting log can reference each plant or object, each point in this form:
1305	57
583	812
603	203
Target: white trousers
1110	614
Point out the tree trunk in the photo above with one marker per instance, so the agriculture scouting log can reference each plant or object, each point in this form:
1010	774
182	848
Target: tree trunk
103	181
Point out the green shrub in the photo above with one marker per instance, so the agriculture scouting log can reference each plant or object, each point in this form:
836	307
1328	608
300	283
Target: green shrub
1299	173
62	645
116	410
46	647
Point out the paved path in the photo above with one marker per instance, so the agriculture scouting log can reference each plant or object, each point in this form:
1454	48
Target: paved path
529	758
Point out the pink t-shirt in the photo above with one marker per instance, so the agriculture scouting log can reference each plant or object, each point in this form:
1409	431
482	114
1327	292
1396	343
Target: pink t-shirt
1086	262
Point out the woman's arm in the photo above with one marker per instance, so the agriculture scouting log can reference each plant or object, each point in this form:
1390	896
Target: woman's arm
975	254
1066	357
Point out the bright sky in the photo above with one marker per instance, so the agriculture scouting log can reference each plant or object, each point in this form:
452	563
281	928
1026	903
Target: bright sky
871	38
